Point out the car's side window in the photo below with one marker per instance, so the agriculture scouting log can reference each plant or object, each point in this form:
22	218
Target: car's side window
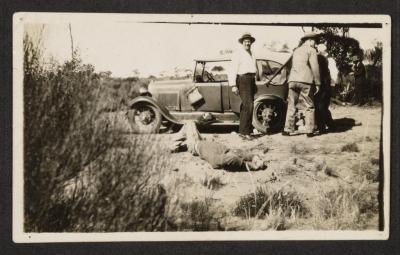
213	71
266	70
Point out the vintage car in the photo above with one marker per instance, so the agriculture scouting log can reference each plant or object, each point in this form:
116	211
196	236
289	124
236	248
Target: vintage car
169	102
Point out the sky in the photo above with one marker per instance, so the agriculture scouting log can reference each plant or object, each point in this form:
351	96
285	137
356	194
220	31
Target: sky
121	47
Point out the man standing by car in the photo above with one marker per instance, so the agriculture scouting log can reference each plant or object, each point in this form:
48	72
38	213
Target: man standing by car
242	80
304	82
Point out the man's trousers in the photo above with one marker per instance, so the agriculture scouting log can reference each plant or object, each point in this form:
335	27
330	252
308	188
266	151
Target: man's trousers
301	95
247	85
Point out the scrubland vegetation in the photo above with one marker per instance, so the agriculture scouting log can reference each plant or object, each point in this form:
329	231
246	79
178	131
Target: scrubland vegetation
81	175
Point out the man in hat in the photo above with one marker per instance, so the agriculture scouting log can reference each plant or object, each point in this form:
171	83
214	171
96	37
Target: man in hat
359	80
242	80
304	82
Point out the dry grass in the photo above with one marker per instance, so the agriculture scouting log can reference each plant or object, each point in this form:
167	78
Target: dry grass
344	208
375	161
366	170
213	182
299	149
264	201
200	215
350	147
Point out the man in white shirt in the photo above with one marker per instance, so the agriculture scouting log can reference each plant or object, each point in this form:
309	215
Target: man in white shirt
242	79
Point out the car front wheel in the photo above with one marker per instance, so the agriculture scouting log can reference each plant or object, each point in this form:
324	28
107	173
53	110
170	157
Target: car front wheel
268	115
144	118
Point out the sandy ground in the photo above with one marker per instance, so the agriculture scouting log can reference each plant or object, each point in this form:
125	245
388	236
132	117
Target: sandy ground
297	162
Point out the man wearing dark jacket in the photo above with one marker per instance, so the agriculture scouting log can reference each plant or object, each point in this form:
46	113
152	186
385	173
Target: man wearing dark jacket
322	99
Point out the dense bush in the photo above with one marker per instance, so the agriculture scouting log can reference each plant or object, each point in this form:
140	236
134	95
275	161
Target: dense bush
200	215
264	201
118	192
65	139
117	92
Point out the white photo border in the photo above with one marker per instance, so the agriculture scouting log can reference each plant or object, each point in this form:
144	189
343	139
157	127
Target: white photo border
19	236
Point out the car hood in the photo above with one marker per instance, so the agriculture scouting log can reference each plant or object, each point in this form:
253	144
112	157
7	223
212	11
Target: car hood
169	86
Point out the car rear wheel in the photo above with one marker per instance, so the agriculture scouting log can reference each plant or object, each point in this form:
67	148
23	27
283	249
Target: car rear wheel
144	118
268	115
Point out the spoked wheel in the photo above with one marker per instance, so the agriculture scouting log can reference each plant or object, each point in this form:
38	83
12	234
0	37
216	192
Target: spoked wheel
268	115
144	118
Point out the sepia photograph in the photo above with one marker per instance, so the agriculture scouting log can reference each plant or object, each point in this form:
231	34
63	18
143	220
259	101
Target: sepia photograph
174	127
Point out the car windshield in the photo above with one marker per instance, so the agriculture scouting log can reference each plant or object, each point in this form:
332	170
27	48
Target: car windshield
211	71
217	71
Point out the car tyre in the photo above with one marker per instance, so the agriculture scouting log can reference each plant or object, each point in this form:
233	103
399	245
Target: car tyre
268	115
144	118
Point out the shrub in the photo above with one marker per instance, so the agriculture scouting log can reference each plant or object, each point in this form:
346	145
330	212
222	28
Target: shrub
374	161
122	192
350	147
345	208
264	201
200	215
366	170
63	136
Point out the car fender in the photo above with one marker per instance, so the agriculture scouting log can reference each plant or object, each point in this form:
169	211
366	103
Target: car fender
269	97
148	100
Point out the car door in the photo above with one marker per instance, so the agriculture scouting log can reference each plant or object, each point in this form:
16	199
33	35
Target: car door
209	87
269	70
266	70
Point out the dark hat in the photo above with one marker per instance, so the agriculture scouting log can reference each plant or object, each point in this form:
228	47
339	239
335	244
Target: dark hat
247	36
310	35
355	58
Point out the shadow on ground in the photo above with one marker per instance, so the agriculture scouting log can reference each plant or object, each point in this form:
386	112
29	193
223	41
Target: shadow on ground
344	124
218	129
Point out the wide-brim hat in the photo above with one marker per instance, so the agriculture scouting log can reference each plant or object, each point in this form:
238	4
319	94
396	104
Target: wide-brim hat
247	36
310	35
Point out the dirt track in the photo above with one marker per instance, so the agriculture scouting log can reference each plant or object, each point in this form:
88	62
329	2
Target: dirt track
298	162
307	165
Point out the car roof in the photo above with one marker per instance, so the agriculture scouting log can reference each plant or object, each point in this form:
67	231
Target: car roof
280	57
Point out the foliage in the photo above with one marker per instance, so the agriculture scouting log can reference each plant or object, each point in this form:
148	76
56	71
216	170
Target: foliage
345	208
263	201
218	68
342	49
116	93
200	215
374	56
350	147
118	192
64	138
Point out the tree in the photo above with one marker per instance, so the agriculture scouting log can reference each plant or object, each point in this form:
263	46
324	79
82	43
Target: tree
374	56
217	69
339	46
